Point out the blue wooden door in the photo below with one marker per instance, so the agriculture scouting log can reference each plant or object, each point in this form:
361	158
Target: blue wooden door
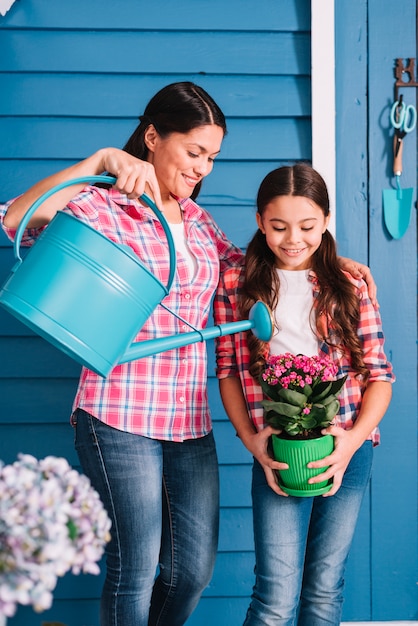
383	564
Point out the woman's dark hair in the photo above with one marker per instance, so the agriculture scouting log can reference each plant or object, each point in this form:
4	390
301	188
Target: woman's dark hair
337	300
177	108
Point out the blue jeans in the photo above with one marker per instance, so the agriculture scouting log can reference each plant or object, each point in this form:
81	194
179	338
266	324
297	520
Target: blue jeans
301	547
163	500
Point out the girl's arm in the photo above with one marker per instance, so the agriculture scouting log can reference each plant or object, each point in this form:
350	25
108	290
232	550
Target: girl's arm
133	178
375	402
256	442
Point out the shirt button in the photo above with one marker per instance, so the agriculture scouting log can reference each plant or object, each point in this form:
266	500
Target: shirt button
181	398
187	296
184	327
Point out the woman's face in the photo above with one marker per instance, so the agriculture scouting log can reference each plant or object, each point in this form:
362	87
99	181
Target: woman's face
293	226
181	160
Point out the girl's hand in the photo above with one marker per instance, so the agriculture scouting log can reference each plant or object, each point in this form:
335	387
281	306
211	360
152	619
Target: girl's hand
134	177
358	270
338	460
257	445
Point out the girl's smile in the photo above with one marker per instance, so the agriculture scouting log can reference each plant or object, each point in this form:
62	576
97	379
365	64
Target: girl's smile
293	226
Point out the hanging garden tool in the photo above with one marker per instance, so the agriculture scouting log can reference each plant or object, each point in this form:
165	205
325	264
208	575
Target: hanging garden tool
397	204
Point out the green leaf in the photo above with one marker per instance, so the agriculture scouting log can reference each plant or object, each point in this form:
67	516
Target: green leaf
328	400
294	397
308	422
332	409
72	530
307	390
322	392
293	429
337	385
276	421
289	410
272	391
317	413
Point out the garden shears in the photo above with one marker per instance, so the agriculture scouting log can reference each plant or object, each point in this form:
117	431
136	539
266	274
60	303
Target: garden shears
403	119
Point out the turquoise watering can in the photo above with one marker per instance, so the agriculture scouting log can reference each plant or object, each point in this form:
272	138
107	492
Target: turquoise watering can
90	296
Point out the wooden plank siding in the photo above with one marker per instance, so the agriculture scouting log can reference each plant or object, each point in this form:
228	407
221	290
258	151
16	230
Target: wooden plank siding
74	77
365	61
394	262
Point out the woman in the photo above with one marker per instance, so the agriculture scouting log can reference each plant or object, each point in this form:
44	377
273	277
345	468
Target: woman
144	434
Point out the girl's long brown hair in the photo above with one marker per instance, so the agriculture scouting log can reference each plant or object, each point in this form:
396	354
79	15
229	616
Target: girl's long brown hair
337	301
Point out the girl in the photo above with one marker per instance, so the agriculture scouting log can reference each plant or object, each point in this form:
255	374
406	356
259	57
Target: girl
302	544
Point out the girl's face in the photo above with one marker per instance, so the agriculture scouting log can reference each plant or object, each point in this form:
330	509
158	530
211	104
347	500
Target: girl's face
293	226
181	160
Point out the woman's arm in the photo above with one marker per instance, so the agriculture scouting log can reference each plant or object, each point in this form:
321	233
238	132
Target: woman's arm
256	442
134	177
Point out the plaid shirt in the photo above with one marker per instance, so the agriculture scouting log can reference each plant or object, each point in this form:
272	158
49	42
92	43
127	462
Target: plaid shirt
163	396
232	355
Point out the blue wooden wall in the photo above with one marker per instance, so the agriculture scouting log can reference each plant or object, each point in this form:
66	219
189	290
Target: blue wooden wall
365	61
74	77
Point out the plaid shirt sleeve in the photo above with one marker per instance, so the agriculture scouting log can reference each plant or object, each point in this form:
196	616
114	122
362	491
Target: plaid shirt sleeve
232	355
372	339
371	334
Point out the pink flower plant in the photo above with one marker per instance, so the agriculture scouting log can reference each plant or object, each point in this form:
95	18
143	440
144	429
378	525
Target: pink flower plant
51	521
302	393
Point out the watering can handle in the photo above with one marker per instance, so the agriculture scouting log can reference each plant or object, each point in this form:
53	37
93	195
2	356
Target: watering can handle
96	179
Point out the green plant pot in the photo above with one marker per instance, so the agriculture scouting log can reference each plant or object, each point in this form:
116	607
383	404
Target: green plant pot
297	453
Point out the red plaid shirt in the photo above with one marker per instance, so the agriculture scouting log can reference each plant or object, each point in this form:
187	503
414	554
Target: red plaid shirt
162	396
232	354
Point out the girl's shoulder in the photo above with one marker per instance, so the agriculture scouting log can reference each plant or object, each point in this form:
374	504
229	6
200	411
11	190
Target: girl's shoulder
233	277
359	284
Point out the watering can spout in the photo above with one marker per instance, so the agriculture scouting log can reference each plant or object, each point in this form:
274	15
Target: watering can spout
259	321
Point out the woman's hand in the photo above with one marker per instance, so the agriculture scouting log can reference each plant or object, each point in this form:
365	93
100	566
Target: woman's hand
133	176
257	444
358	270
345	445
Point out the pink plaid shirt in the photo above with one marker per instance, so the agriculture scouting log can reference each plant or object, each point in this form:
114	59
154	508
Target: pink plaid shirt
162	396
232	354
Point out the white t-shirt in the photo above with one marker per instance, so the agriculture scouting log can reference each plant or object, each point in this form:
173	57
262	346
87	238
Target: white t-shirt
181	246
294	316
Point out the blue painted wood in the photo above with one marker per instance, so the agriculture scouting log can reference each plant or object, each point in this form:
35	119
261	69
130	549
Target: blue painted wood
40	440
289	15
282	138
36	400
126	52
394	502
76	95
36	357
365	162
236	530
351	125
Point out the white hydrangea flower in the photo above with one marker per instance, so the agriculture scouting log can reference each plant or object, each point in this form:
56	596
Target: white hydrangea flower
51	521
